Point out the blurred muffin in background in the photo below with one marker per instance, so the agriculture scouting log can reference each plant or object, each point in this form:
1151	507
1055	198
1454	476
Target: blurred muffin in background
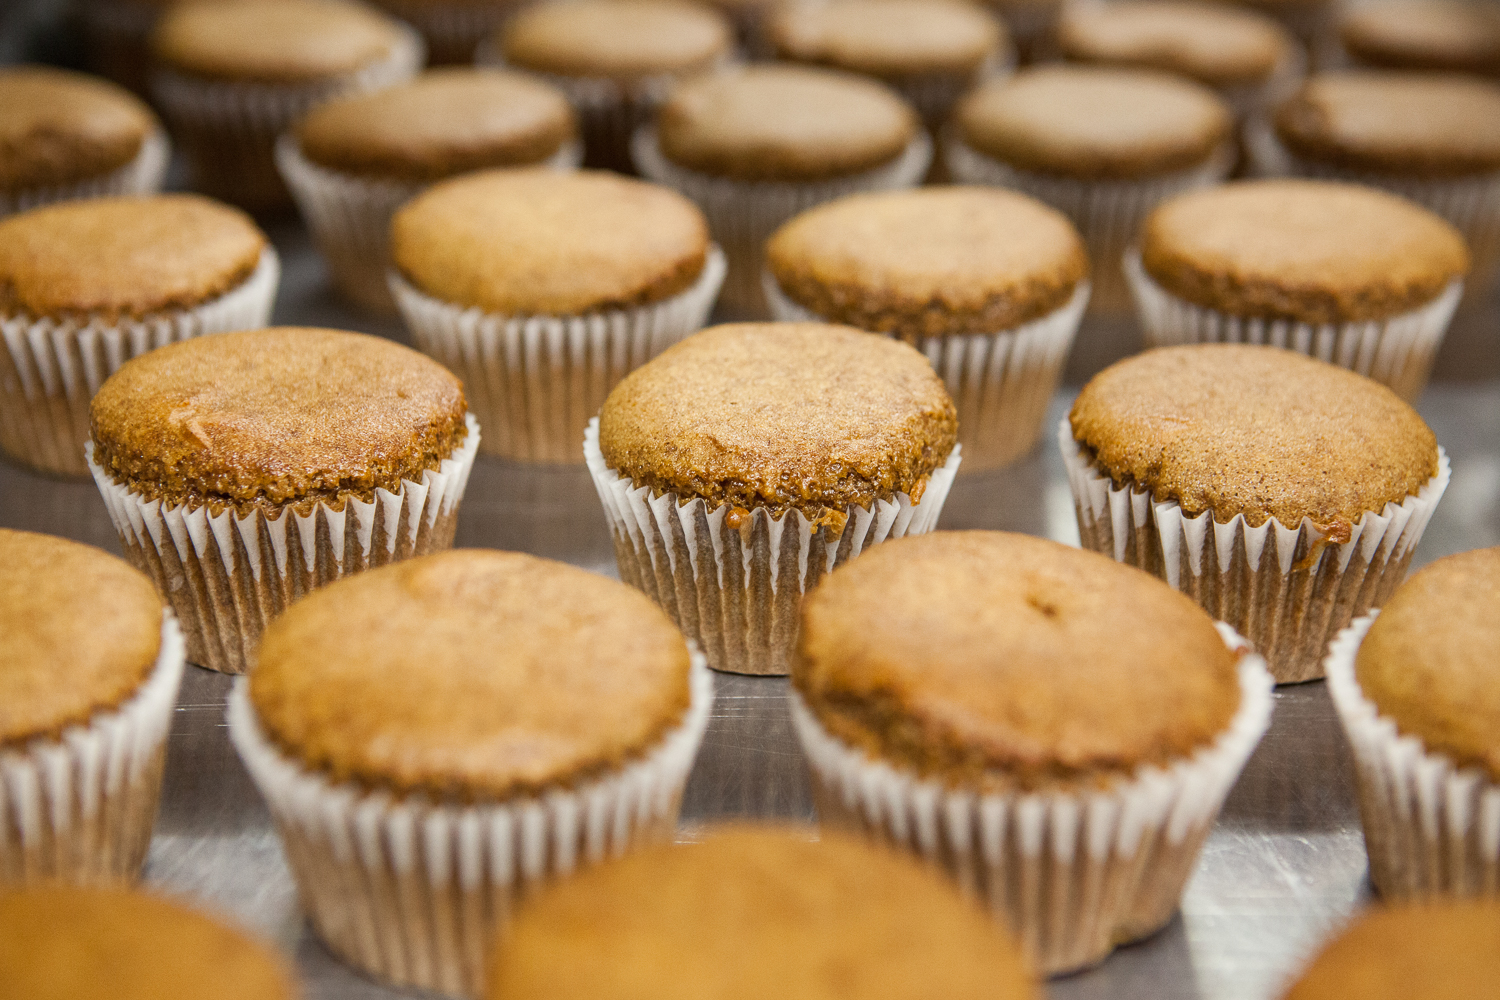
453	29
1424	34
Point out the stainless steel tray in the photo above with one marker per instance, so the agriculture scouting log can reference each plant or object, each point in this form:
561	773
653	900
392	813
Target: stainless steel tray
1284	866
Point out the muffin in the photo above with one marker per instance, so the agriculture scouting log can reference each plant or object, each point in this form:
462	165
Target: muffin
988	284
1437	951
65	135
63	942
1244	439
453	29
231	77
743	464
1348	274
754	912
89	668
85	286
542	290
615	59
755	146
1423	34
1102	145
246	469
1415	690
480	722
354	160
945	684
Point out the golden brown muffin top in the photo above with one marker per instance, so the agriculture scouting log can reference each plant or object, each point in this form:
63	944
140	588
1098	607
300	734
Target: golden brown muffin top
80	631
621	39
1436	951
128	256
780	122
1094	122
781	415
58	127
542	241
1313	251
61	942
269	417
444	122
929	262
1011	662
273	41
753	912
1258	431
1424	34
1431	124
1213	43
889	38
472	674
1428	662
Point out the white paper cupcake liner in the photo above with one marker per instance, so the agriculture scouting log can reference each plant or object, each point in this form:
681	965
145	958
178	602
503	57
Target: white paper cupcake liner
80	808
535	381
142	175
1072	872
227	575
743	214
350	217
1432	829
737	591
51	368
227	129
1397	352
414	891
1288	590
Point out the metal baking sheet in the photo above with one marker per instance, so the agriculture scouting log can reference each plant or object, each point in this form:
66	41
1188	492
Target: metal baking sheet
1284	866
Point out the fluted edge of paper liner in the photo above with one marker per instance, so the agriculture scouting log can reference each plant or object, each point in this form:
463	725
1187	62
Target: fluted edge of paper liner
143	174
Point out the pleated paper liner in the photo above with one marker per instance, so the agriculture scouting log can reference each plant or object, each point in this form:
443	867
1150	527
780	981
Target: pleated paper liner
1432	828
142	175
50	369
1072	872
1002	383
413	891
535	381
1397	352
1285	588
80	808
736	590
350	217
227	575
743	214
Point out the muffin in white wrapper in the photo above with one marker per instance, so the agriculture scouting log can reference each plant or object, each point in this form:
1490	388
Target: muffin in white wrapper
80	808
142	175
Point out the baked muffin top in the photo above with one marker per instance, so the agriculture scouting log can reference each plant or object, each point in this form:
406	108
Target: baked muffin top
444	122
472	674
1259	431
275	416
1312	251
929	262
80	631
128	256
273	41
1437	951
1094	122
781	415
1424	34
1011	662
620	39
61	942
1213	43
1431	124
754	912
1428	662
542	241
779	122
888	38
58	127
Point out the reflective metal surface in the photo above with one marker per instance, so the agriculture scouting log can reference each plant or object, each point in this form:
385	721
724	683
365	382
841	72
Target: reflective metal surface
1284	866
